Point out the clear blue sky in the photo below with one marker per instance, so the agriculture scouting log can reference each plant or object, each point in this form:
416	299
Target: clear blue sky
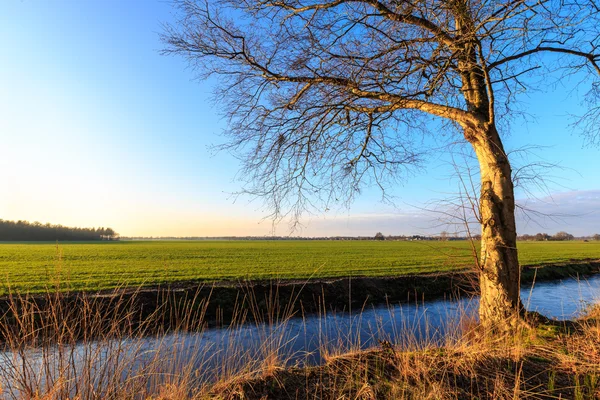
98	129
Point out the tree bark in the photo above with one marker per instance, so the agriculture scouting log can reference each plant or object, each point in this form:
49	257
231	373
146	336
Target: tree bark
500	273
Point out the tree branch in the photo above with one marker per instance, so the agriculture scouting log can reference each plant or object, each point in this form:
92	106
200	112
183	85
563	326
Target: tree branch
383	10
592	58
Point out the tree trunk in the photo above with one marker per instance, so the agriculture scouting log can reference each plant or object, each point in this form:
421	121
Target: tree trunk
500	273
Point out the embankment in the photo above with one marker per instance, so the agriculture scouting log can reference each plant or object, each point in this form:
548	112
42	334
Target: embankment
217	303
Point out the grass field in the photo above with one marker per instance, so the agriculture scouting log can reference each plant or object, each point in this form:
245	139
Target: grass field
34	267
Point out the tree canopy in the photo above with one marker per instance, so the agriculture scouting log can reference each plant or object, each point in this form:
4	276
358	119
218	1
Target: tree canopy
324	96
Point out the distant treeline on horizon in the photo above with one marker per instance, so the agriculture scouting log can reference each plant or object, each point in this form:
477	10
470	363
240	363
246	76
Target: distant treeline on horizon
444	236
35	231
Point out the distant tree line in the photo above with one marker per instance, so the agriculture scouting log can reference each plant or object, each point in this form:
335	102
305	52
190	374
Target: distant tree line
443	236
36	231
559	237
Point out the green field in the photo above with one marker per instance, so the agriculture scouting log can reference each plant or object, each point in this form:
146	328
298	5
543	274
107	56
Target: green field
33	267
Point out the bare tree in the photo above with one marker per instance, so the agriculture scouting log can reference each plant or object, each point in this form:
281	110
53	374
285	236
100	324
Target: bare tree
326	96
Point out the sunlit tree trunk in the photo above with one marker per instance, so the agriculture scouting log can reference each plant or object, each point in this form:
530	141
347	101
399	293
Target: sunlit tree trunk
499	270
500	273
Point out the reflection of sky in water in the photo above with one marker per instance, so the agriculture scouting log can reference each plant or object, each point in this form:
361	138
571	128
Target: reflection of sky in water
562	299
302	340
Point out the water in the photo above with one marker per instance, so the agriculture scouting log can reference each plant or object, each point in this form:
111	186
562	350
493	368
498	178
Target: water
306	338
218	351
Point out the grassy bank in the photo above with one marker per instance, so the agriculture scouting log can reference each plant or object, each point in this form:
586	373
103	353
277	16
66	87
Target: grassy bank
544	362
33	267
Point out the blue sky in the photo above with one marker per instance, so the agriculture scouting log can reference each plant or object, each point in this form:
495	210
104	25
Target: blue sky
98	129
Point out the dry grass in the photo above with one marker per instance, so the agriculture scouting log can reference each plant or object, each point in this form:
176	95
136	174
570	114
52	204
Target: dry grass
543	362
63	346
90	348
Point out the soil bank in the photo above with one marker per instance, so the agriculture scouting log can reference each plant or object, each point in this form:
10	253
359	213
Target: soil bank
220	301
